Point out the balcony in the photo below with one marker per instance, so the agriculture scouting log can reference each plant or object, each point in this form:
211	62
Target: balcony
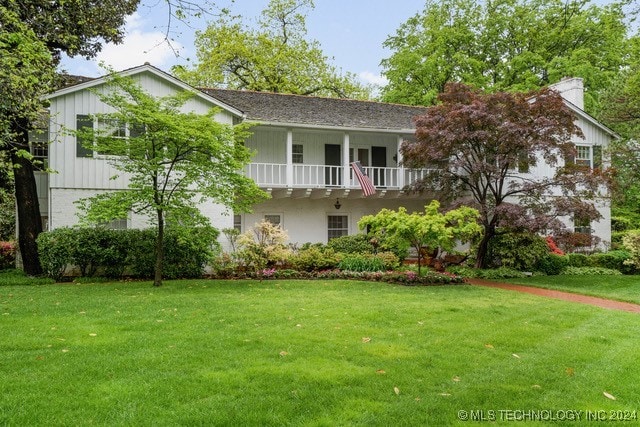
326	179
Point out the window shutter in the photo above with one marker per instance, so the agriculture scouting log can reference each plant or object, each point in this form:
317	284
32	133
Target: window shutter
597	156
83	121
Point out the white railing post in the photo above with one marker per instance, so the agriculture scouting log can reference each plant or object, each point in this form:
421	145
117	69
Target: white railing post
289	173
346	182
400	170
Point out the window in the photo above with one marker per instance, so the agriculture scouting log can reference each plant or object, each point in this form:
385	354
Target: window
338	225
39	146
83	122
298	156
274	219
111	128
582	225
237	222
583	157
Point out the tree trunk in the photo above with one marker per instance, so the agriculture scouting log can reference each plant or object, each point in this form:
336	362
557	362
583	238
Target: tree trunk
157	280
29	221
483	248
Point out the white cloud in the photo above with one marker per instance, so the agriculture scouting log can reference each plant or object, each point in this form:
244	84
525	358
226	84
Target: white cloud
142	43
371	78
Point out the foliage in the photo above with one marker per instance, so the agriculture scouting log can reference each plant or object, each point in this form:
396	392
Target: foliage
486	273
366	243
613	260
352	244
275	57
369	262
33	36
314	258
55	250
263	246
114	253
480	141
631	243
552	264
166	155
432	230
553	247
520	251
505	45
14	277
590	271
7	255
577	260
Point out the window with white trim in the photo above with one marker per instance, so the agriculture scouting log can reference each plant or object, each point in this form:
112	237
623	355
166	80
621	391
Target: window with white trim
298	153
237	222
582	225
583	155
337	226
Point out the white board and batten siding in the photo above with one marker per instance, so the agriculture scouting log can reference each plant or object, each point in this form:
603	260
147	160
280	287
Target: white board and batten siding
79	177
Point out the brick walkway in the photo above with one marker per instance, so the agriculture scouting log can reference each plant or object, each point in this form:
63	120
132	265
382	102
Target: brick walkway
566	296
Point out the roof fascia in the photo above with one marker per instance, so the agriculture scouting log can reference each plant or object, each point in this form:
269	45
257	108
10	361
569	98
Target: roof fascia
591	119
329	127
158	73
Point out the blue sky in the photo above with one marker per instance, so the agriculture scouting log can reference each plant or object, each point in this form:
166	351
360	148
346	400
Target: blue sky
350	31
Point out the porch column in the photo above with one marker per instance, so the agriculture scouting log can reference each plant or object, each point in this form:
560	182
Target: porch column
346	183
400	169
289	159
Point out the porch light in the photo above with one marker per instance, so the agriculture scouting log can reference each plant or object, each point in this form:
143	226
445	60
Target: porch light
337	204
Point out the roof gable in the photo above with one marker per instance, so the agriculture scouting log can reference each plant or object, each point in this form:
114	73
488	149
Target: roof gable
147	68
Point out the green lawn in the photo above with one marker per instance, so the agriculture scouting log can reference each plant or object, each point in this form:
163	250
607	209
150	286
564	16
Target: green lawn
306	353
621	288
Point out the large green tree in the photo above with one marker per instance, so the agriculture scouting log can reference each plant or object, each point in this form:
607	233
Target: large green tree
173	161
505	45
33	35
276	56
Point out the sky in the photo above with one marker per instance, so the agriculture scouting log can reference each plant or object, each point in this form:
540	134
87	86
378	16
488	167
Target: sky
349	31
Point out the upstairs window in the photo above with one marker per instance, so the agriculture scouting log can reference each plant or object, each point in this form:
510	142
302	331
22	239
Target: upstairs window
589	156
298	153
582	225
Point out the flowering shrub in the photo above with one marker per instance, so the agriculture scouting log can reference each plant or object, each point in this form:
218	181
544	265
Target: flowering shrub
268	273
7	255
553	247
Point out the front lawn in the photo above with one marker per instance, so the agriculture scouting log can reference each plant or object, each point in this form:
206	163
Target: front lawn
305	353
621	288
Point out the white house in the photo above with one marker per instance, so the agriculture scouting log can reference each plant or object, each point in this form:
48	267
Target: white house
304	147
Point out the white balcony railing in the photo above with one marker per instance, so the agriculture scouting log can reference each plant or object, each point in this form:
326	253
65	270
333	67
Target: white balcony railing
321	176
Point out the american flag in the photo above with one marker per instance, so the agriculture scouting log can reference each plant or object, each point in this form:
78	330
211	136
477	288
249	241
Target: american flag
365	182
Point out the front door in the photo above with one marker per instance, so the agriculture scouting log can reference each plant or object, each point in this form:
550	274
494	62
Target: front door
332	157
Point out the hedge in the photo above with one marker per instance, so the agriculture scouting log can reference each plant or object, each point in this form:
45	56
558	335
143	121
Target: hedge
115	253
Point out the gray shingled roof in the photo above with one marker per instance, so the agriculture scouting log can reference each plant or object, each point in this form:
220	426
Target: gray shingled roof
310	110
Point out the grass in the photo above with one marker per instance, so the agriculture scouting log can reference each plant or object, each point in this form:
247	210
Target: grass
303	353
621	288
17	277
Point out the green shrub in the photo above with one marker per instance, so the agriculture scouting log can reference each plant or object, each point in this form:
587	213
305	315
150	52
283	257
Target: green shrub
368	262
520	251
55	250
590	271
552	264
114	252
577	260
488	274
314	258
352	244
613	260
